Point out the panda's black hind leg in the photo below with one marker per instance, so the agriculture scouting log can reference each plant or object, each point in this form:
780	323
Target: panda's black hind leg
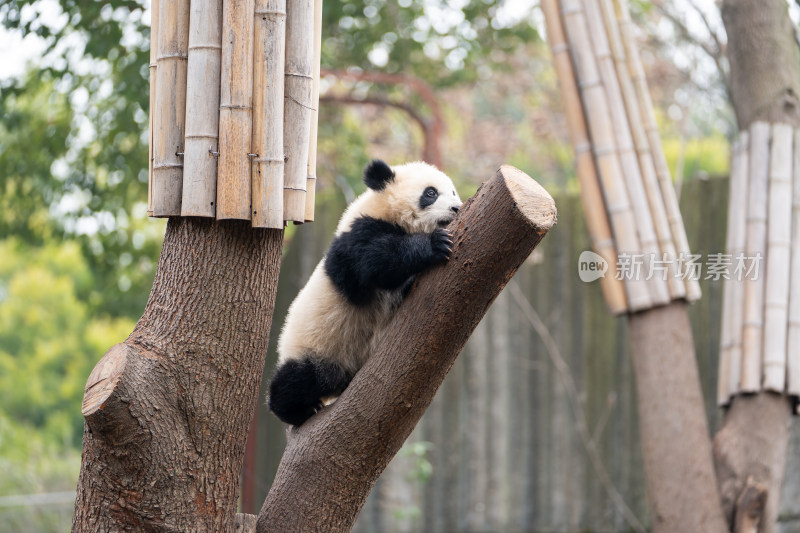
298	387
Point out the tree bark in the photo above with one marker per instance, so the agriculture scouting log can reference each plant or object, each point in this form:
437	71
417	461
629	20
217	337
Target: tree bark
676	448
332	461
765	85
167	411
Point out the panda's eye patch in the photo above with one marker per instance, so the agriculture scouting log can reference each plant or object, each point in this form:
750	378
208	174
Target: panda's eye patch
429	196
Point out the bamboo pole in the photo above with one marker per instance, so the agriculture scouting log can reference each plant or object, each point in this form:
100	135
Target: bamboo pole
153	84
755	247
595	105
730	366
651	128
268	78
202	109
173	44
657	284
235	110
298	102
793	342
311	172
591	196
675	284
779	226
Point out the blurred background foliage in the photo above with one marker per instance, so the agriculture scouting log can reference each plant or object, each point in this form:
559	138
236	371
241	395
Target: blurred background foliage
77	252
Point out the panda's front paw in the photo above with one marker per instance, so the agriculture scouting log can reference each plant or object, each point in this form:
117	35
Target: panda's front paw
442	245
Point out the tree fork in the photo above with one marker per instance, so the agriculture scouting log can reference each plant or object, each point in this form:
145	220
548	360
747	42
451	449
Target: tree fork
167	411
332	461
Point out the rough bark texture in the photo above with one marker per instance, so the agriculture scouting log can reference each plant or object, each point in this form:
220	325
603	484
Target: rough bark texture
676	448
764	60
167	411
332	461
752	446
765	85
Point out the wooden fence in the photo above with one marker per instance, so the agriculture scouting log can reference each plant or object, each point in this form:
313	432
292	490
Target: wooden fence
522	438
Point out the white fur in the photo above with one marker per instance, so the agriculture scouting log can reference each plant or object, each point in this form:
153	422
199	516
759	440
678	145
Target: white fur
321	320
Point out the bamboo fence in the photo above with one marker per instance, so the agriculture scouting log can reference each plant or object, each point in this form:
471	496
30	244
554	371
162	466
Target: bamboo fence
758	343
234	94
628	198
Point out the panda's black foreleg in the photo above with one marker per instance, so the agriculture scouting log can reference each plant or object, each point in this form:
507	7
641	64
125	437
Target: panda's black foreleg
377	254
298	387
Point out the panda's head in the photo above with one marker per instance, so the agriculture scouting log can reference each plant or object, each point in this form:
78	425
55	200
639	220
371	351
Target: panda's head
416	196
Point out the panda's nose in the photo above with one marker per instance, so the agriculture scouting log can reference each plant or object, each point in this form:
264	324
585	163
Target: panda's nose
455	208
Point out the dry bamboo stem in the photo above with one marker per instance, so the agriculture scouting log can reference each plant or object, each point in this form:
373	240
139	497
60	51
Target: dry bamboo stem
298	105
311	172
153	84
730	366
173	44
793	342
235	110
779	225
755	247
268	64
595	105
651	128
202	109
675	284
591	196
657	284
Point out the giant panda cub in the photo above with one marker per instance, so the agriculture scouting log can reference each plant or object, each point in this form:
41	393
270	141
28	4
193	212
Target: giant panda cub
389	234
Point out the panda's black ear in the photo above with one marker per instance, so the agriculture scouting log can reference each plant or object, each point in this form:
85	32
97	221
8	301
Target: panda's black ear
377	174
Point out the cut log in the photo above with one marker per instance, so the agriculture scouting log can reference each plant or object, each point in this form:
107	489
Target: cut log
202	109
332	461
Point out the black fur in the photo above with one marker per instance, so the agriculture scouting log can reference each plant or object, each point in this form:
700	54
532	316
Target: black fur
298	386
377	174
376	254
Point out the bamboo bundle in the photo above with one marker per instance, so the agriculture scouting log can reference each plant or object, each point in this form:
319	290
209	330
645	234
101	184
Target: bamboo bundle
629	162
793	342
153	84
776	301
591	195
599	121
675	285
730	366
651	128
755	247
202	109
235	110
170	106
311	179
268	76
298	91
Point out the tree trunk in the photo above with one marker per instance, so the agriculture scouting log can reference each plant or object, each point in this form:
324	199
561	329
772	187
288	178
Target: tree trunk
332	461
765	85
676	447
167	411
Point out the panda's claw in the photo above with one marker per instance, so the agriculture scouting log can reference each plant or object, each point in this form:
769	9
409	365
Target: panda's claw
441	245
